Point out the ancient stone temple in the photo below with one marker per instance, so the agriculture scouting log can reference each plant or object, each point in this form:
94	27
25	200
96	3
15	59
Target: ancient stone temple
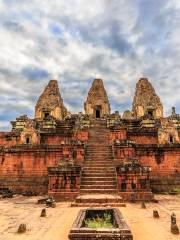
50	103
97	103
72	156
146	101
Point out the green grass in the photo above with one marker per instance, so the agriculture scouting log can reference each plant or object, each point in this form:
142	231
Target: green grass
100	222
177	190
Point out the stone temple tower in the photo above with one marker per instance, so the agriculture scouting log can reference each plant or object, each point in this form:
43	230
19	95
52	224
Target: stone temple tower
97	103
50	103
146	101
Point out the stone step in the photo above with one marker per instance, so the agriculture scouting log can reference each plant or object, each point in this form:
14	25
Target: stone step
98	205
98	191
97	144
98	135
100	168
98	161
98	174
98	164
103	146
99	198
89	182
100	140
103	158
99	171
98	150
98	154
98	130
109	167
105	187
97	178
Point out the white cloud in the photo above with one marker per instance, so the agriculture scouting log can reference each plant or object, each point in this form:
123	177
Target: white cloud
78	40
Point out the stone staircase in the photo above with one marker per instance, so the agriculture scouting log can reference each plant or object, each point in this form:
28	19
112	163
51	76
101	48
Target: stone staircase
99	175
98	181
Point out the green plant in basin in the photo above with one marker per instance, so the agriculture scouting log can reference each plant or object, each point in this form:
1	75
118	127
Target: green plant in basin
100	222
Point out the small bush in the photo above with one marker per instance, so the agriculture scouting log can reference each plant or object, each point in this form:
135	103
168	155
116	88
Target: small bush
100	222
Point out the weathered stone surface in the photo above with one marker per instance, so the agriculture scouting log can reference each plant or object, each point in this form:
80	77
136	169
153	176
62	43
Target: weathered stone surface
97	103
50	102
143	205
167	132
97	145
146	101
155	214
30	135
22	228
43	212
127	115
174	229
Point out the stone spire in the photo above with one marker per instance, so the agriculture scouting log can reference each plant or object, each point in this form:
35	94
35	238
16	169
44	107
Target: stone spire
97	103
50	102
146	101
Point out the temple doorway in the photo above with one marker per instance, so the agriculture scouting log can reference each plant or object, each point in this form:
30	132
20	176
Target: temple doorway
97	111
98	114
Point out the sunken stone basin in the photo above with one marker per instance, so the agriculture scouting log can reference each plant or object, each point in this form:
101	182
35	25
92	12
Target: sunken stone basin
119	229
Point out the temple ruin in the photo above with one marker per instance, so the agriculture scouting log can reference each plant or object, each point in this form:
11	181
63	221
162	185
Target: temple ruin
97	103
70	156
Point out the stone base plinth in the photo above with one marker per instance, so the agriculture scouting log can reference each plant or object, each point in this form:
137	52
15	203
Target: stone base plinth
137	196
98	200
63	196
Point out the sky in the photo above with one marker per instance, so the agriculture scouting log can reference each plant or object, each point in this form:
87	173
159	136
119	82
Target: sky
75	41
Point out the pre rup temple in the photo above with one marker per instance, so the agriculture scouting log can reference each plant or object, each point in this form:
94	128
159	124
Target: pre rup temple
69	156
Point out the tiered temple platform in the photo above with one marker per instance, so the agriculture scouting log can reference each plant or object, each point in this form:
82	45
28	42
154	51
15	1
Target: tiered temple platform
96	157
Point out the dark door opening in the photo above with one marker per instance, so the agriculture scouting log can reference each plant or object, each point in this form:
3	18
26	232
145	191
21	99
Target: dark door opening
98	113
46	114
171	139
27	140
150	113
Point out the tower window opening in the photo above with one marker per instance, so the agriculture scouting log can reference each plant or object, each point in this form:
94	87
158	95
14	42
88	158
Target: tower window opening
97	113
150	113
27	140
171	139
46	114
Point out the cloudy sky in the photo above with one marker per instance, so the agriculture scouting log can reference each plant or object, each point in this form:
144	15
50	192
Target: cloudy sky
75	41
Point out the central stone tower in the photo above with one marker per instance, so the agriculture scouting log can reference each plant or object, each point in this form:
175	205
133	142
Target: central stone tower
97	103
